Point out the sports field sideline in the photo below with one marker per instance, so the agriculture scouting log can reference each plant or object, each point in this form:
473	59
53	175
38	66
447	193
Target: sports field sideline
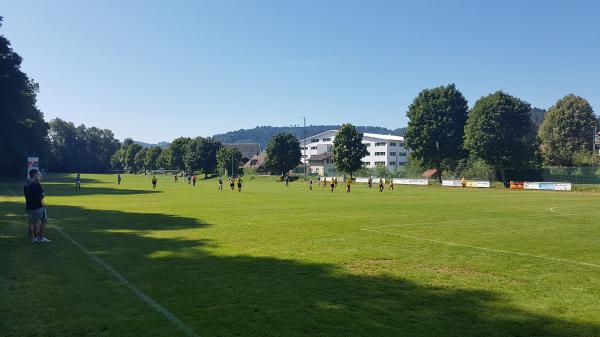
277	261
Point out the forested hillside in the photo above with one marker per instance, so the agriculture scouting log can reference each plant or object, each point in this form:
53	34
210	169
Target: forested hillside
262	134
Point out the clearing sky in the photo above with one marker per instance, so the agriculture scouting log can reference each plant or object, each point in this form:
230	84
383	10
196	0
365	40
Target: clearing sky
154	71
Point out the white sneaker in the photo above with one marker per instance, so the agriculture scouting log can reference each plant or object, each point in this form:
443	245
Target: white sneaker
34	240
44	239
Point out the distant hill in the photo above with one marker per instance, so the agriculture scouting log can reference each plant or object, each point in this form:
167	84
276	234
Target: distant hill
164	145
263	134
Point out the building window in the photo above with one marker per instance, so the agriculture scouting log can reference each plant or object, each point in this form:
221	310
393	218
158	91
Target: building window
380	153
379	163
326	139
392	144
313	147
392	153
314	140
402	154
367	144
380	144
393	163
366	163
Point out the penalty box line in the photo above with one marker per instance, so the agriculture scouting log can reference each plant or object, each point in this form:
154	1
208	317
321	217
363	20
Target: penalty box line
135	290
493	250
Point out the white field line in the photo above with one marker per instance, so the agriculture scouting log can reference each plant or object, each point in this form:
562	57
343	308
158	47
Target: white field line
140	294
493	250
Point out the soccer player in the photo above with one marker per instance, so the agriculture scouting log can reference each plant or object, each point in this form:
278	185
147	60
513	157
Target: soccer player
34	205
324	182
332	184
381	184
348	183
310	182
118	179
78	182
189	178
194	180
231	183
335	181
154	180
175	179
370	182
239	182
391	185
287	180
463	182
220	183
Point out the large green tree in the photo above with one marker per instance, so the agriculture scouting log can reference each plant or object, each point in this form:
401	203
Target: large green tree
435	132
130	151
23	131
499	131
567	131
178	149
80	149
283	153
201	155
139	160
229	159
164	160
348	149
151	157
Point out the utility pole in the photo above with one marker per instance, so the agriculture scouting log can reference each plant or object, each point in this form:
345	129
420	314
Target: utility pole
304	147
232	154
594	154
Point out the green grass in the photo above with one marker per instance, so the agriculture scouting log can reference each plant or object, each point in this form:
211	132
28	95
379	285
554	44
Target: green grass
272	261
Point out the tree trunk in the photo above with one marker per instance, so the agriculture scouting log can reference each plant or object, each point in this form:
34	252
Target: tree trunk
503	176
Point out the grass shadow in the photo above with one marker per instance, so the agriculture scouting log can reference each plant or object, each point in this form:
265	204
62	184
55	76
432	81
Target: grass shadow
264	296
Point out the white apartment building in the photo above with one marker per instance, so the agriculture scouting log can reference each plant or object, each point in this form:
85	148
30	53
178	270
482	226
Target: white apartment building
386	150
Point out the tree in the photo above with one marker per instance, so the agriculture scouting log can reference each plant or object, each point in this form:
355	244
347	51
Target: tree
208	154
151	157
435	132
499	131
164	160
566	132
129	156
348	149
23	131
283	153
201	155
178	149
139	160
80	149
228	160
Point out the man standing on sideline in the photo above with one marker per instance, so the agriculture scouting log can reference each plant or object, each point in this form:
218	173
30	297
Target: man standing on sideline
220	183
78	182
348	183
118	178
34	206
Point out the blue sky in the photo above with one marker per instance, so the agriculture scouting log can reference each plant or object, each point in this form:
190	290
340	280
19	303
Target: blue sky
156	70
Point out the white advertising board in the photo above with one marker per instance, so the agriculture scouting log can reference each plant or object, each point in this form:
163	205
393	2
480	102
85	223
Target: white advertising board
478	183
451	183
533	185
421	182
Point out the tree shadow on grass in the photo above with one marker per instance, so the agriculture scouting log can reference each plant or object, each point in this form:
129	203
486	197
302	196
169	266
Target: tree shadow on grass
64	190
263	296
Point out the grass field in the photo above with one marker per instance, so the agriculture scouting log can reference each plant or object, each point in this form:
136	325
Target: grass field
276	261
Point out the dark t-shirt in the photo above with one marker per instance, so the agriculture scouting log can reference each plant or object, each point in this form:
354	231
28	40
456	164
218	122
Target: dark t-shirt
33	195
